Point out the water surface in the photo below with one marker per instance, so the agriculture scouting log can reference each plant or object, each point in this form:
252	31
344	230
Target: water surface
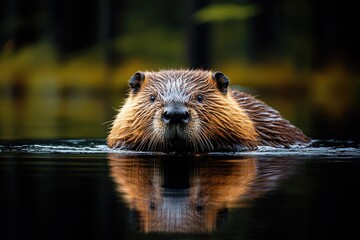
61	189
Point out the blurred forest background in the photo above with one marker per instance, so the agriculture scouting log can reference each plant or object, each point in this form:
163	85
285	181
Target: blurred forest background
65	65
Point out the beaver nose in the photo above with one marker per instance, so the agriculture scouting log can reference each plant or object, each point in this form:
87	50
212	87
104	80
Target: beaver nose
176	114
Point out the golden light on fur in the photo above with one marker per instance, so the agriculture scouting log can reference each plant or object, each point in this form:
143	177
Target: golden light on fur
216	118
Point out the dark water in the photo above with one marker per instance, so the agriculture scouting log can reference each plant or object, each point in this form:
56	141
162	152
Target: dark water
69	189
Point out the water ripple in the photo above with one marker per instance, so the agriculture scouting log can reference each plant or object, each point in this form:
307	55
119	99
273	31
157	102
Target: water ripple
323	148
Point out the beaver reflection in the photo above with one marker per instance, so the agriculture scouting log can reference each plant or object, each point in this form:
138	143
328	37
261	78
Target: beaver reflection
175	194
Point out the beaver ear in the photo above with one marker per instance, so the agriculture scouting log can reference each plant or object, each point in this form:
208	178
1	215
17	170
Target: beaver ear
135	81
222	81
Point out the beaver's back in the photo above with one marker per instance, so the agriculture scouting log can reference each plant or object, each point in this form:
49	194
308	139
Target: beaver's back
272	128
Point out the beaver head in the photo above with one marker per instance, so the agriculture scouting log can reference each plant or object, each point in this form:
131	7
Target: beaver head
183	110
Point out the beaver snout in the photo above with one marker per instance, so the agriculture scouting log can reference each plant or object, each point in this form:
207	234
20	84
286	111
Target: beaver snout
175	113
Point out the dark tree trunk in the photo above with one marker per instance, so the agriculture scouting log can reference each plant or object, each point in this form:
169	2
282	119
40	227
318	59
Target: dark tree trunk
109	27
73	24
198	37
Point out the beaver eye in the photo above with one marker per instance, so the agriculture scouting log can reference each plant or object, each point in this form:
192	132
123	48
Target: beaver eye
200	98
152	98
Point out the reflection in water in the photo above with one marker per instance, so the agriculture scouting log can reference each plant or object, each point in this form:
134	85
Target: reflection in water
188	194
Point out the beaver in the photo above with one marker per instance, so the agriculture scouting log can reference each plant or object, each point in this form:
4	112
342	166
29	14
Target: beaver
196	111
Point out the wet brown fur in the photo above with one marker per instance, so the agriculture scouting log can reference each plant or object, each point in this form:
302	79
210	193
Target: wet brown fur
222	122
